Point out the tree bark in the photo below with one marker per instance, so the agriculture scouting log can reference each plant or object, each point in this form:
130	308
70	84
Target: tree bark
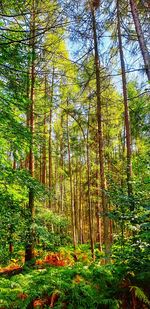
80	205
29	252
28	113
50	143
71	188
126	112
89	193
44	141
100	137
140	36
61	166
98	209
76	200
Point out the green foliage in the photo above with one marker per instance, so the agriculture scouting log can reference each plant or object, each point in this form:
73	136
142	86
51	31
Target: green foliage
140	294
51	229
78	286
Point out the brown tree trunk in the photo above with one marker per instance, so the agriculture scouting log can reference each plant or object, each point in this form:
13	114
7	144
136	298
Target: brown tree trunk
44	141
76	204
50	177
98	210
89	193
40	168
29	252
100	137
140	35
61	166
80	206
126	111
71	188
28	115
14	162
10	241
11	247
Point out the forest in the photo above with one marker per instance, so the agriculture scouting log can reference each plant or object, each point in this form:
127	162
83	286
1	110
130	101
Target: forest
74	154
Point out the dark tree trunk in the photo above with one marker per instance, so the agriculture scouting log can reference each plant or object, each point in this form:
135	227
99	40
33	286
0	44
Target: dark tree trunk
126	112
44	140
61	166
80	206
89	193
100	137
50	142
140	36
29	252
98	210
71	187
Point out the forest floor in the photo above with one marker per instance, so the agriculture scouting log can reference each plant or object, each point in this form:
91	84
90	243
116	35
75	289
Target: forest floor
68	279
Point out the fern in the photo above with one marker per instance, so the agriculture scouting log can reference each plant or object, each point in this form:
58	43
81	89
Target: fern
109	301
140	294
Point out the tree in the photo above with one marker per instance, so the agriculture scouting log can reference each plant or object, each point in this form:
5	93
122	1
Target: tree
140	36
100	131
29	254
126	111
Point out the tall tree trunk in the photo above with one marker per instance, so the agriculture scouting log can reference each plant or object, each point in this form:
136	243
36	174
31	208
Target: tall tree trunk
10	229
98	209
76	204
100	137
109	158
89	193
61	166
40	167
44	140
71	187
28	114
126	111
50	177
140	35
29	252
80	205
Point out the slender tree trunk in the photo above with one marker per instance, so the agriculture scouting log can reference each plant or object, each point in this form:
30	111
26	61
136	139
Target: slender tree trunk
80	206
100	137
140	35
89	193
14	162
50	143
29	252
44	141
11	248
10	240
55	168
50	158
98	210
71	187
21	164
76	204
40	168
108	138
61	166
126	111
28	115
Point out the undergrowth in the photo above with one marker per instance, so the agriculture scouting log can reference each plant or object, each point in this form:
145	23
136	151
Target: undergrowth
76	286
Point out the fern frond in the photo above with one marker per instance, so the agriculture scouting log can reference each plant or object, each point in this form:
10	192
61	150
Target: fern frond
140	294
